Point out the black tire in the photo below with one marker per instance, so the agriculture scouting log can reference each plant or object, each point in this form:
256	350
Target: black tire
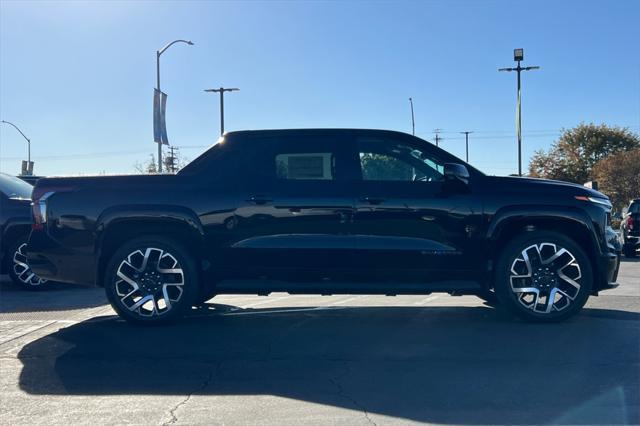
169	294
19	272
546	276
489	297
206	293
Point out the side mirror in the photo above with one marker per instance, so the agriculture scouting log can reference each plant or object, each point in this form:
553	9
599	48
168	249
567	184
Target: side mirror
456	172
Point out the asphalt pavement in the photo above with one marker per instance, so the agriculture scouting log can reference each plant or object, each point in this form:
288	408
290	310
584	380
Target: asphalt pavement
65	358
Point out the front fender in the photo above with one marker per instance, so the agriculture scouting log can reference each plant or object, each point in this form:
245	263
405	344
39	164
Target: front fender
569	218
509	215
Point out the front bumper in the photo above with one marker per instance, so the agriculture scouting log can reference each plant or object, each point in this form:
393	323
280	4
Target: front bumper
609	266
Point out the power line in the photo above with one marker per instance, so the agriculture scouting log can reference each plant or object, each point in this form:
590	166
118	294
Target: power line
90	155
479	135
494	137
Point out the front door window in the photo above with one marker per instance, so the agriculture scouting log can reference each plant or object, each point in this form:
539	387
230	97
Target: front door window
396	161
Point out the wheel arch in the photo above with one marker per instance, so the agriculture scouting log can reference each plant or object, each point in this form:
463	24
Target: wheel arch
116	227
573	224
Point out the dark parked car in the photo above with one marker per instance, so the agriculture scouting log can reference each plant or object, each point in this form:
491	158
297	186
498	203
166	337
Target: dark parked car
630	229
326	212
15	226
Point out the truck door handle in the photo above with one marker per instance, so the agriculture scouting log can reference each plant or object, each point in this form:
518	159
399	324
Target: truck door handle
373	200
259	200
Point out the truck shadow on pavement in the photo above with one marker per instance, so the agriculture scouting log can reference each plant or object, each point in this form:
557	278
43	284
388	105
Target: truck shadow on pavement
460	365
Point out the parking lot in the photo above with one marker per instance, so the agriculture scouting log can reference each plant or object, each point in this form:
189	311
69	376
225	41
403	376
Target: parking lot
67	359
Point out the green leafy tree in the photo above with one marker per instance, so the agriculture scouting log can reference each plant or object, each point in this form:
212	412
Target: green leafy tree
618	176
384	167
572	157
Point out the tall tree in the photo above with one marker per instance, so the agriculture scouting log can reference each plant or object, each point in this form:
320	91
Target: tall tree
572	157
150	167
618	176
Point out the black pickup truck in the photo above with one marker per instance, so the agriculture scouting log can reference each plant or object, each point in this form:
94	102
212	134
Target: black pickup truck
324	211
630	229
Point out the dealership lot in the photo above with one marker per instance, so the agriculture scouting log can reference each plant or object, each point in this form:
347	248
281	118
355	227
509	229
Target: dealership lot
66	358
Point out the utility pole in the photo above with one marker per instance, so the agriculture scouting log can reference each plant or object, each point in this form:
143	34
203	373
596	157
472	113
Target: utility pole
221	90
413	121
158	54
172	159
438	138
466	137
518	55
29	165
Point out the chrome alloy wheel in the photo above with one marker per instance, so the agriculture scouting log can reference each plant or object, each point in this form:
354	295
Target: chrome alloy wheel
149	282
545	277
22	270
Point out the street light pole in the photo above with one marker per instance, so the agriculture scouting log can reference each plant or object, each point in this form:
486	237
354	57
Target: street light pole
413	121
518	56
25	138
158	54
221	90
466	137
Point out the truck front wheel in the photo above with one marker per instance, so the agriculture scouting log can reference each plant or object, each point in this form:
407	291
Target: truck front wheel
543	276
151	280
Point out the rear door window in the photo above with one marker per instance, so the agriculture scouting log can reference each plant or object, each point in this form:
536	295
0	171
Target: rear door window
297	158
305	166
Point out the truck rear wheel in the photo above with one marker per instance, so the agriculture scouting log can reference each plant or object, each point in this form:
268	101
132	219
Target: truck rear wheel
151	280
543	276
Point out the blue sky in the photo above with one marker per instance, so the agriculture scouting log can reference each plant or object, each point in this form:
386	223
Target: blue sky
78	77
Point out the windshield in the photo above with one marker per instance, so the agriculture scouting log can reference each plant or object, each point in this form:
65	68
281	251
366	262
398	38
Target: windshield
15	188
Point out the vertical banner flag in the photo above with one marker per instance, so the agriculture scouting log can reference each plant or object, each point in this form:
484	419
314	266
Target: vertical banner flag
159	116
518	112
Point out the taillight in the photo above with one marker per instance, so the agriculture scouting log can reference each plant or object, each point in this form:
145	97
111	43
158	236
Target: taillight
630	223
39	198
39	209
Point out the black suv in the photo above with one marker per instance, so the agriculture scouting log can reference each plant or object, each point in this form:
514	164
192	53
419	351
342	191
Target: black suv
15	226
325	211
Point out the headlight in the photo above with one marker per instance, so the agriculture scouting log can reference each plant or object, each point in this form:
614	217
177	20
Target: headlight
596	200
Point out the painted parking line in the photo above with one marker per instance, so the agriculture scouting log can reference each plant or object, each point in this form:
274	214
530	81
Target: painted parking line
286	310
22	329
334	305
426	300
350	299
264	302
